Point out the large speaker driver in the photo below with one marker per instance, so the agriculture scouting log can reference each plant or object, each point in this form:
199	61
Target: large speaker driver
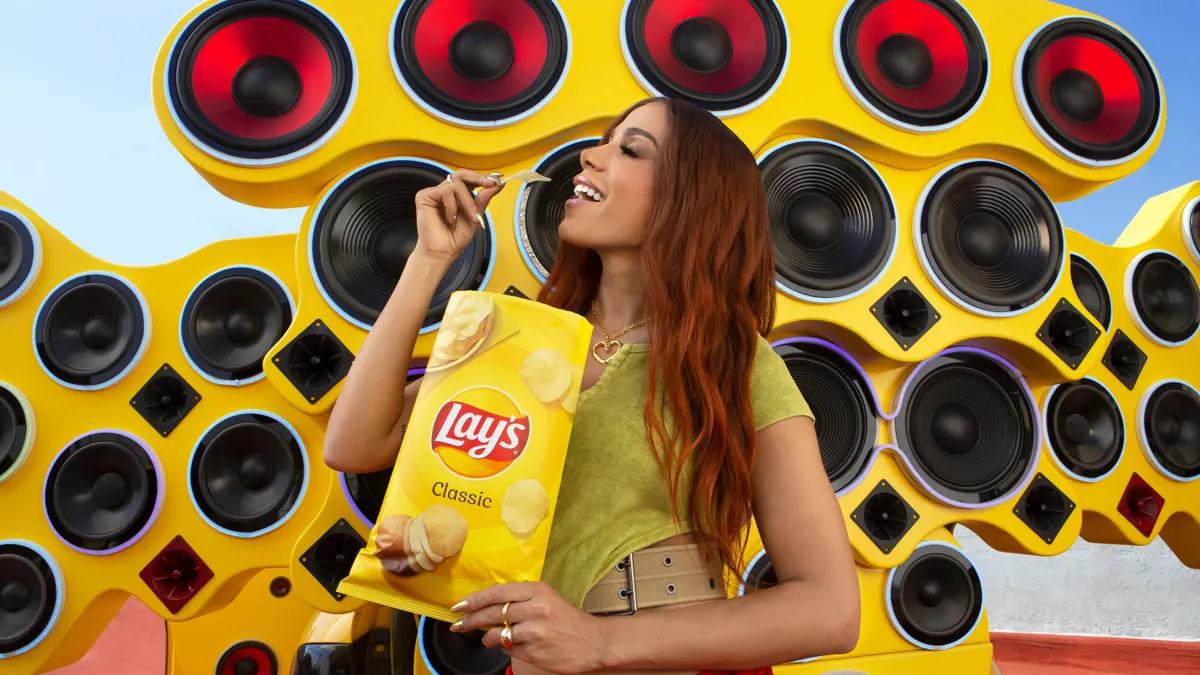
935	598
446	653
1088	91
20	256
541	206
967	424
1169	427
480	63
363	232
31	596
17	430
91	330
260	81
833	222
1091	289
921	65
1191	228
726	56
842	401
1085	429
1163	295
103	492
248	658
231	320
248	473
989	237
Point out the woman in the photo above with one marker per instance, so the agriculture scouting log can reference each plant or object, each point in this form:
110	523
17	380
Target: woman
666	249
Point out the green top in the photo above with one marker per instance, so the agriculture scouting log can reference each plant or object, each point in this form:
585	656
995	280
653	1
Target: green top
613	498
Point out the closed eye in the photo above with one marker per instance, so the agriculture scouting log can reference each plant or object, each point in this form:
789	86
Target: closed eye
628	150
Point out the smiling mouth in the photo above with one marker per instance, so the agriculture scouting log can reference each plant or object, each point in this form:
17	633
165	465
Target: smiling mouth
585	193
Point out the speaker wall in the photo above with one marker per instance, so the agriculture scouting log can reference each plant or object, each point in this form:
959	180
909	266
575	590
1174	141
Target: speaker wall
833	222
20	256
365	228
447	653
842	401
176	574
231	320
331	556
967	424
31	596
921	65
1092	290
1088	91
726	56
935	598
480	63
103	492
91	330
17	430
248	658
541	206
248	473
258	82
1084	428
1164	297
989	237
1169	427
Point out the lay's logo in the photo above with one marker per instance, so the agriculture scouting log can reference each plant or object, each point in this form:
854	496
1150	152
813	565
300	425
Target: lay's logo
479	432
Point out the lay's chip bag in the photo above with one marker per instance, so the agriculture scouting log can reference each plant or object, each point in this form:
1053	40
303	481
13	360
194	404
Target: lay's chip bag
472	494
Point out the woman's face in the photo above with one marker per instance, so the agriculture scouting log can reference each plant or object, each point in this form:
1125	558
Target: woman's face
620	175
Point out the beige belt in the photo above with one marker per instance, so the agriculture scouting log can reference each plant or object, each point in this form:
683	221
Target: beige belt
653	577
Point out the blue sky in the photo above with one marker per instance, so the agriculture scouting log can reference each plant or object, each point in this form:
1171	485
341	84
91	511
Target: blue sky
79	141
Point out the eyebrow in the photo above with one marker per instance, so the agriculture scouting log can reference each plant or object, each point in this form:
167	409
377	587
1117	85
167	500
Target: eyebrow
635	131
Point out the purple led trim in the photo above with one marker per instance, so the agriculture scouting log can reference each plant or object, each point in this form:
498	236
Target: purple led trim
1037	429
879	411
160	490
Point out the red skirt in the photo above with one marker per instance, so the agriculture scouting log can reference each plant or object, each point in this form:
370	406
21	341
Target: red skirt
760	671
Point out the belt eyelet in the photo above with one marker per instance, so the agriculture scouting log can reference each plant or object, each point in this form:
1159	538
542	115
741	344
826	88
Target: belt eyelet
667	561
623	594
670	589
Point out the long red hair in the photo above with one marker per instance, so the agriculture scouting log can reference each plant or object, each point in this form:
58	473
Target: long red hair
708	269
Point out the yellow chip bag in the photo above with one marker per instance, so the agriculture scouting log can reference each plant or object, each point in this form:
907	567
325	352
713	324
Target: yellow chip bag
472	494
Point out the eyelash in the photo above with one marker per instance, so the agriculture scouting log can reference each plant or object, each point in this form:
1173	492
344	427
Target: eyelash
628	150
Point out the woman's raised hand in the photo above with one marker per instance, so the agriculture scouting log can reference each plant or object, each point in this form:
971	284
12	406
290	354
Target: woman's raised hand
448	214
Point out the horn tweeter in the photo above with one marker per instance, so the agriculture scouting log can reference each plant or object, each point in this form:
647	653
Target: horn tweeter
31	596
1163	294
541	206
833	223
1124	359
91	330
1044	508
176	574
1068	333
917	64
315	361
935	598
165	400
231	320
1169	418
103	491
967	425
1085	429
905	313
331	556
448	653
723	55
247	473
1141	505
17	430
363	232
884	516
990	237
20	256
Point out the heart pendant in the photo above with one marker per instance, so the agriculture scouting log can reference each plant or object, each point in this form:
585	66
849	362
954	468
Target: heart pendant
610	348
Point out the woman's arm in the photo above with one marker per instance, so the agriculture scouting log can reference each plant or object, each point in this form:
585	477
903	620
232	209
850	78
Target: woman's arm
814	611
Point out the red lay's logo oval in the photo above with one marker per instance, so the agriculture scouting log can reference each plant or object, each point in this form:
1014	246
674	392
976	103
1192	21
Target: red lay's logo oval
479	432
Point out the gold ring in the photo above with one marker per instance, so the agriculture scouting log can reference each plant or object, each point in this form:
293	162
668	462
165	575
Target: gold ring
506	637
504	613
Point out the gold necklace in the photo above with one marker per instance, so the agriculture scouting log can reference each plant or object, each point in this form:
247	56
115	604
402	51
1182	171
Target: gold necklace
610	342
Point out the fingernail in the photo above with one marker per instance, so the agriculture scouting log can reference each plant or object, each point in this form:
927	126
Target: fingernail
460	607
496	177
456	626
479	217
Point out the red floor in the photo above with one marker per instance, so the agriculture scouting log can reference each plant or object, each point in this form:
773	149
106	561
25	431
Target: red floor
1016	654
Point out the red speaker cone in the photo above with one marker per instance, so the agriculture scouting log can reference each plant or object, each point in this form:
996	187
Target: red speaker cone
1090	90
720	54
921	63
260	79
248	658
480	61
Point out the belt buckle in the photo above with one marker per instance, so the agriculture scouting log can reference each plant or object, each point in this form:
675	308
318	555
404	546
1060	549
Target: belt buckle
631	587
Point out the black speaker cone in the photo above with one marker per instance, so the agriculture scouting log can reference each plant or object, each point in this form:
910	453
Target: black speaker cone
542	205
102	492
90	330
1170	422
936	596
991	236
247	473
833	223
366	229
29	595
231	320
450	653
760	575
260	79
1085	428
1165	298
1091	289
16	431
968	427
20	256
843	405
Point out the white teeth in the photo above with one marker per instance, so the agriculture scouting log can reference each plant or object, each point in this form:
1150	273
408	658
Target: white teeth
590	192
